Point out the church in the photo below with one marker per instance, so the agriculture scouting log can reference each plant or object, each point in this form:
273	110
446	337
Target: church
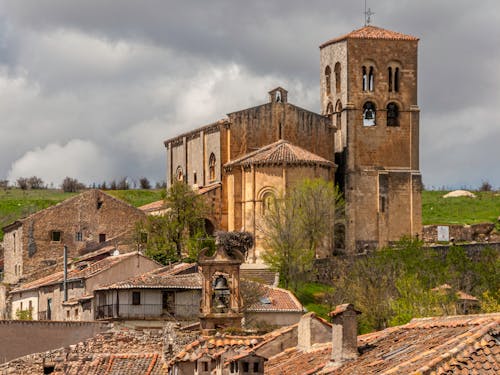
366	140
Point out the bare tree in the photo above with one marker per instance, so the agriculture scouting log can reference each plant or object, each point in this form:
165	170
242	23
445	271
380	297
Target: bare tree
72	185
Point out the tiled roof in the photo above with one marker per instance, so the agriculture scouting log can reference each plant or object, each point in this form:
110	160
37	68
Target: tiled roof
153	206
371	32
292	359
215	346
274	300
119	364
445	345
180	275
278	153
90	270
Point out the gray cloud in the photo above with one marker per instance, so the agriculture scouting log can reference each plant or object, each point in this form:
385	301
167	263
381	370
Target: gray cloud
109	80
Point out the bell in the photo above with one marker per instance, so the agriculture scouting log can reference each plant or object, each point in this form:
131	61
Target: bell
220	305
220	283
369	114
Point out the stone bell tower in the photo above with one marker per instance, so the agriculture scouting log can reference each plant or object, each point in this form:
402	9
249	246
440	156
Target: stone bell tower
369	89
221	301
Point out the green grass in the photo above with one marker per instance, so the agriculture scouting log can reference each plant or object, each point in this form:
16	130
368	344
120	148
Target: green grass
461	210
313	297
17	203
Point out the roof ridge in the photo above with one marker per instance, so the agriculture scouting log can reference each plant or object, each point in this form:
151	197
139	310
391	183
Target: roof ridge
371	32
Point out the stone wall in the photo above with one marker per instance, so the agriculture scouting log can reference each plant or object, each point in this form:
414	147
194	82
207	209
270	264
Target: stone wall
95	216
18	338
482	232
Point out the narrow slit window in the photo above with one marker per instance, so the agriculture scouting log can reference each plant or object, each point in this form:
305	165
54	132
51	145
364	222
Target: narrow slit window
396	80
337	77
211	167
390	79
371	80
328	80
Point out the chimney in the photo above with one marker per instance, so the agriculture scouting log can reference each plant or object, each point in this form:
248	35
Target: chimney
344	333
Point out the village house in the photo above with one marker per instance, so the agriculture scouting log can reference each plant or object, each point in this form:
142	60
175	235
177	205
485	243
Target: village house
33	246
175	292
53	298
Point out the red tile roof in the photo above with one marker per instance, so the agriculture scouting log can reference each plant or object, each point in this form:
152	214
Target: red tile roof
278	153
442	345
119	364
90	270
274	299
370	32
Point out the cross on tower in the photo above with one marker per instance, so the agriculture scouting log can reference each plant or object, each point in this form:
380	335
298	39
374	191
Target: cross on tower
368	14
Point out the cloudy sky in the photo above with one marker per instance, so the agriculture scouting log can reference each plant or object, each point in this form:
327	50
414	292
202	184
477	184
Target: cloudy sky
90	89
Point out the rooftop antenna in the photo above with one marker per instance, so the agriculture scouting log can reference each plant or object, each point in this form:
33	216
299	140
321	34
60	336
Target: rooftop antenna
368	14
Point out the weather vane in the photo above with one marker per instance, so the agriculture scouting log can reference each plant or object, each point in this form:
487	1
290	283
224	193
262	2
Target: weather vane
368	15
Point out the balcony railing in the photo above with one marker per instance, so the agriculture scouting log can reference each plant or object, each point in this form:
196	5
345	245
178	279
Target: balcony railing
143	311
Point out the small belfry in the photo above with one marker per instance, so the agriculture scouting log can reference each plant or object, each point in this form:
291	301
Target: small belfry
221	300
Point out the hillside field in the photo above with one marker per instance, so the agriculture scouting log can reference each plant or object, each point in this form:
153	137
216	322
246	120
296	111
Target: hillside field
16	203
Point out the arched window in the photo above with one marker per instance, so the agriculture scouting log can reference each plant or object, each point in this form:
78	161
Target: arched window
211	167
338	114
369	114
389	73
329	109
328	80
396	80
179	174
392	114
371	82
337	77
365	79
268	202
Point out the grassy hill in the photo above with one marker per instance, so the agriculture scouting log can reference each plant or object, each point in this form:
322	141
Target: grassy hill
17	203
461	210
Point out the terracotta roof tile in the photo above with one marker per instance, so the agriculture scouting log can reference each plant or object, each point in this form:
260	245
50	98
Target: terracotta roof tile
119	364
90	270
280	152
274	299
442	345
370	32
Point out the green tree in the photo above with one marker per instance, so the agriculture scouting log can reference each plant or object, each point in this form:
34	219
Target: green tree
298	227
180	230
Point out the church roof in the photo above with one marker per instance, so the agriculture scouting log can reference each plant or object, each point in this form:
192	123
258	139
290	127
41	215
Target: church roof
280	152
370	32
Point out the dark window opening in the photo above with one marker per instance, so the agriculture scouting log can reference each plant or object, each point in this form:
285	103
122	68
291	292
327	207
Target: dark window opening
99	204
337	77
256	367
205	366
211	166
382	204
195	178
390	79
55	236
246	366
396	80
392	114
49	369
78	236
102	237
369	114
328	80
365	83
136	298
